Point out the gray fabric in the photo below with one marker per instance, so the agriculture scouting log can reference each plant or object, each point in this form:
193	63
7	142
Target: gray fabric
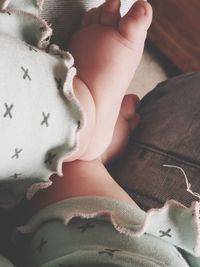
167	134
65	16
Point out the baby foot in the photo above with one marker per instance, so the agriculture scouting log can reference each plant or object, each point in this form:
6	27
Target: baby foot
127	121
107	50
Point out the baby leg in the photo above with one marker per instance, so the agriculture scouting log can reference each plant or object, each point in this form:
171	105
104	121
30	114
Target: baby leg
90	178
81	178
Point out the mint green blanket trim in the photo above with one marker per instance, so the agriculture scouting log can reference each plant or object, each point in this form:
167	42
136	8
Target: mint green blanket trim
113	228
5	262
25	27
90	258
30	6
24	22
193	261
173	223
119	213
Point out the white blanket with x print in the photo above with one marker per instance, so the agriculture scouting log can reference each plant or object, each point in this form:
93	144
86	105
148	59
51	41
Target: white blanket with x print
39	114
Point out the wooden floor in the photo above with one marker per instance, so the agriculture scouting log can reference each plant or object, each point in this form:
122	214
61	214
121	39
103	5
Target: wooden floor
175	31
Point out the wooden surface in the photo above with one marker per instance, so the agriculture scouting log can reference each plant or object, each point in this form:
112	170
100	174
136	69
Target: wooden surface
175	31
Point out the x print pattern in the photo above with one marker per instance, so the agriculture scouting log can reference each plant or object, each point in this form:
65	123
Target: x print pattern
9	113
15	116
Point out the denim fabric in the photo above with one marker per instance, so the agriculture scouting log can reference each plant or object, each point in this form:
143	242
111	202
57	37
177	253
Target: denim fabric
167	134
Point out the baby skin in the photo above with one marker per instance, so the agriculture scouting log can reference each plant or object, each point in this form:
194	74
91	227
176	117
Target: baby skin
107	50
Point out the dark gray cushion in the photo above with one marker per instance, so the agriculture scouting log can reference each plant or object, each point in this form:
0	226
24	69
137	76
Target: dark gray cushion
169	133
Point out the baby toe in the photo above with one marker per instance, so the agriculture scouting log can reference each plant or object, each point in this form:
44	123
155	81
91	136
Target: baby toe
134	25
110	12
129	105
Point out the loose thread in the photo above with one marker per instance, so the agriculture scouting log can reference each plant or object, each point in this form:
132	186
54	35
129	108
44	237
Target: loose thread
186	180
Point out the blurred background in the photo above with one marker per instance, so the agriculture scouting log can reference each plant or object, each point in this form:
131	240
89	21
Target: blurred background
173	44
